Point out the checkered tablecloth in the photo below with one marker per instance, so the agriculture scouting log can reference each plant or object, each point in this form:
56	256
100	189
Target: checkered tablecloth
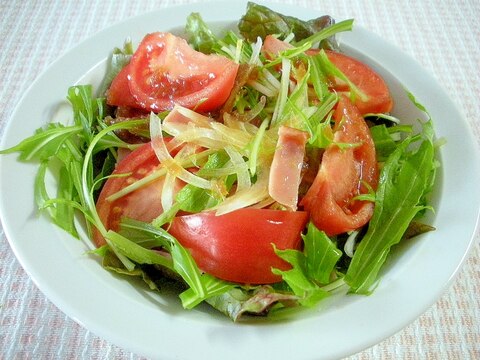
444	36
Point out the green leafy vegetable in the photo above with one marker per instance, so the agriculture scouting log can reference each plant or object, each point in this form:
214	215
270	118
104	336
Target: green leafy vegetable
200	36
194	199
62	152
112	263
327	33
60	149
256	301
201	286
321	254
311	268
404	181
45	143
260	21
298	279
385	139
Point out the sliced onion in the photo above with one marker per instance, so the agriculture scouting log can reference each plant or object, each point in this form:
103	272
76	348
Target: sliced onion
168	192
198	119
349	247
258	192
255	147
172	166
243	176
175	122
272	80
256	49
232	122
253	112
187	126
229	136
264	203
265	90
228	169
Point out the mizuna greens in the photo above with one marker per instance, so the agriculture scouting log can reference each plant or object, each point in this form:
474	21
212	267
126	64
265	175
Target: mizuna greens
232	159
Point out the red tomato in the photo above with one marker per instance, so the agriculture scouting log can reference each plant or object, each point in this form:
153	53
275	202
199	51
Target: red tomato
119	93
272	46
165	71
143	204
342	175
237	246
366	79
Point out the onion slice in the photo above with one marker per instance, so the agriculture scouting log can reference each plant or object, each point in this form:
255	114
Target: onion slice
172	165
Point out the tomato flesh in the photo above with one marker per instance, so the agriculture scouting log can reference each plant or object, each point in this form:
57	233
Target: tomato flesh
237	246
365	78
165	71
342	175
368	81
119	93
143	204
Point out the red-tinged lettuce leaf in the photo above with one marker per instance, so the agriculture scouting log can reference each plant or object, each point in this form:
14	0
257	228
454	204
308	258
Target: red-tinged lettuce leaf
260	21
258	301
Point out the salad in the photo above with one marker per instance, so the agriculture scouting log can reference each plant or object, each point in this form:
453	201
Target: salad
258	170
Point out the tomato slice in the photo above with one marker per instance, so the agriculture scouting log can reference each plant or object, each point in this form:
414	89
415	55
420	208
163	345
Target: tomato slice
165	71
119	93
143	204
365	78
272	46
343	174
237	246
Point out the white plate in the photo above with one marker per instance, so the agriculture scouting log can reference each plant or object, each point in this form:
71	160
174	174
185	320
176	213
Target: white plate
158	327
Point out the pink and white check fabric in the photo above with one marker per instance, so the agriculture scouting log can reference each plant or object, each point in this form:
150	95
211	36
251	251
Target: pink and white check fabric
443	36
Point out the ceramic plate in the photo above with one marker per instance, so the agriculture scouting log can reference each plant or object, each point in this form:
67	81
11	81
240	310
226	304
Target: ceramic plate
157	326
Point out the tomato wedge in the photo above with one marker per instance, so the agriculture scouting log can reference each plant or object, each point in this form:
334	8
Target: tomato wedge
365	78
119	93
165	71
237	246
143	204
343	174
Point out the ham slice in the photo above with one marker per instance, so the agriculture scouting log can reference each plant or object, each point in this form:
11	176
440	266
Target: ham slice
285	172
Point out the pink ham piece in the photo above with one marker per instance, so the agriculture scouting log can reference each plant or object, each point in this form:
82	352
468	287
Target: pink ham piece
285	172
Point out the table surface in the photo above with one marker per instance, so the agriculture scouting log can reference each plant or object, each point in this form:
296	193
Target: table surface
443	36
